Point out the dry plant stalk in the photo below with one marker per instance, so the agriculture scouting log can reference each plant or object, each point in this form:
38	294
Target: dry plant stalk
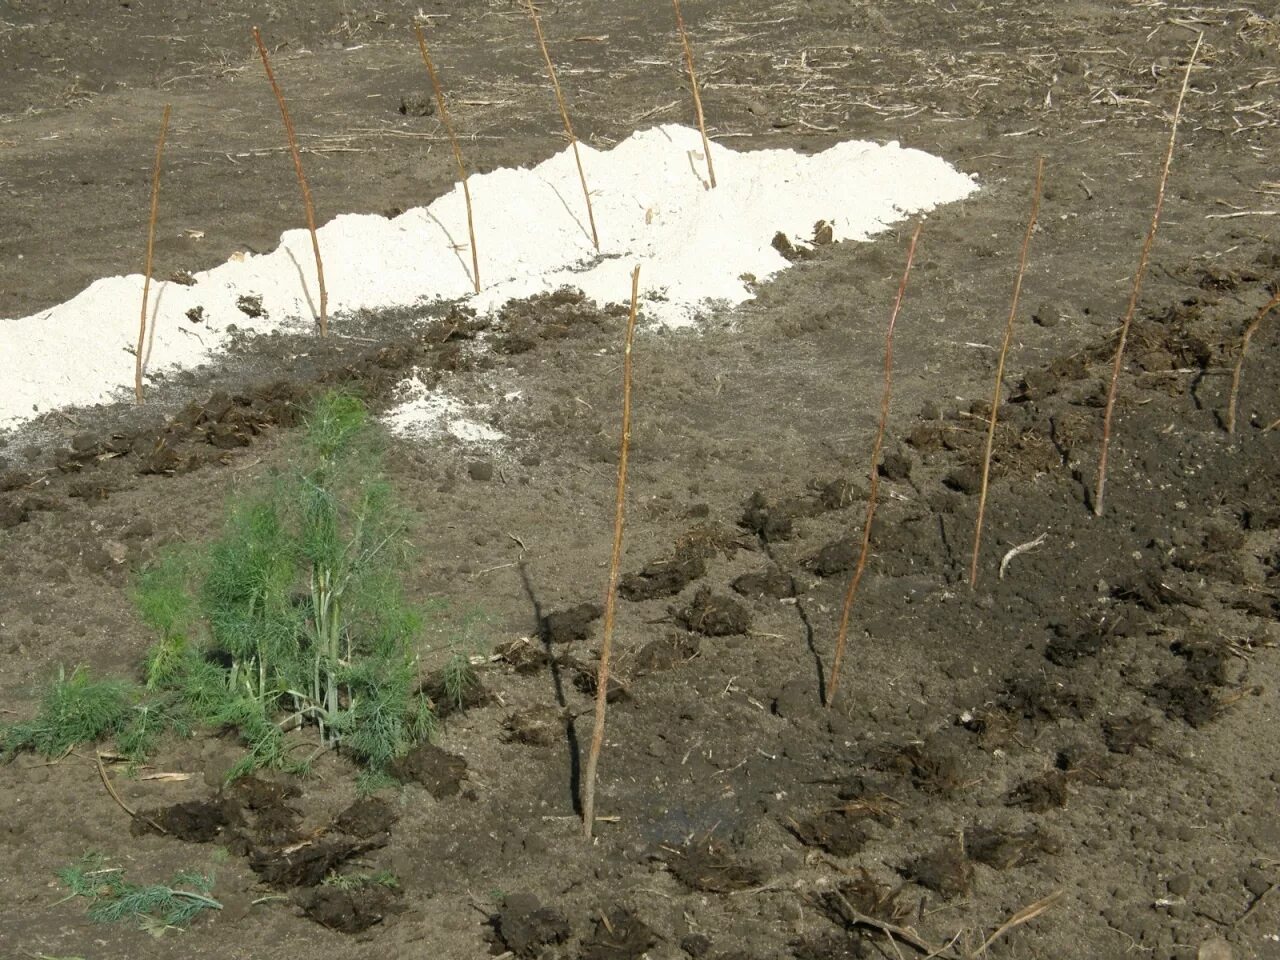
302	182
611	597
1244	349
1025	915
151	243
697	97
843	635
1101	485
564	115
457	152
999	387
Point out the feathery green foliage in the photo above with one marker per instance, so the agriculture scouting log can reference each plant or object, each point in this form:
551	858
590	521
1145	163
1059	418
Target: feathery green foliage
293	617
154	907
75	709
297	607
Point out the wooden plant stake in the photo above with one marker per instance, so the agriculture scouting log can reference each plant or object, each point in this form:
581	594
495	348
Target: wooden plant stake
302	182
1244	349
564	115
697	97
611	597
998	392
843	636
1101	485
151	242
457	152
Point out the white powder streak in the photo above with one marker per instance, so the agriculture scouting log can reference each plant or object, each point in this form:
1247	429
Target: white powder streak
650	203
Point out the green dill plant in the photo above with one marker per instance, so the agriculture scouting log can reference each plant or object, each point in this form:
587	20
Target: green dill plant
294	617
153	907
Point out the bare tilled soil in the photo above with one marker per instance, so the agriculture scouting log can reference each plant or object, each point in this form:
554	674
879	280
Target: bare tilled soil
1076	759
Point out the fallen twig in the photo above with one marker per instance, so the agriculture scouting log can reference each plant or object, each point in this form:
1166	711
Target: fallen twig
843	635
106	782
1026	914
1100	486
856	917
1244	349
1021	549
151	243
998	392
611	597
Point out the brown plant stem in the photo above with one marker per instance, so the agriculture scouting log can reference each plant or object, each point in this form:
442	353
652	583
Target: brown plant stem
843	635
302	182
697	97
151	243
997	393
1101	485
615	560
1244	349
564	115
457	152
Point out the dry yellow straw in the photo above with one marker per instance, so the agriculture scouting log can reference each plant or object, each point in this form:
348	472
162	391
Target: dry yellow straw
151	242
564	115
1101	485
457	152
999	388
611	598
697	97
302	182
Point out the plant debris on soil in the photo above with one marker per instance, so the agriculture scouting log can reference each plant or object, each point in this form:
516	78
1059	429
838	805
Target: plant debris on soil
1077	760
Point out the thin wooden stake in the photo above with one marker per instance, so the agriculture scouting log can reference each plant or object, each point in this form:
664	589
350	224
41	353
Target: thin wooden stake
1244	349
457	152
998	392
852	592
697	97
564	115
615	560
151	242
302	181
1101	485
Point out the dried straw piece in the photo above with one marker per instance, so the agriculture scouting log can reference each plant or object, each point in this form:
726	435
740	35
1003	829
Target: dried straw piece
611	597
1101	485
564	115
151	242
999	387
1244	349
874	485
302	182
457	151
697	97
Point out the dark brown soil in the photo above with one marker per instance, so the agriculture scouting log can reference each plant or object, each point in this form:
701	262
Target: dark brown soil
1096	720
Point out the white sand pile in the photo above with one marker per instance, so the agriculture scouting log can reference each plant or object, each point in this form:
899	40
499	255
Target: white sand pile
651	206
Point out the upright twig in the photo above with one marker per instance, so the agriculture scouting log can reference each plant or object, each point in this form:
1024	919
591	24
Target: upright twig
611	597
697	97
1100	486
843	636
998	392
151	242
457	152
564	115
1244	349
302	182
